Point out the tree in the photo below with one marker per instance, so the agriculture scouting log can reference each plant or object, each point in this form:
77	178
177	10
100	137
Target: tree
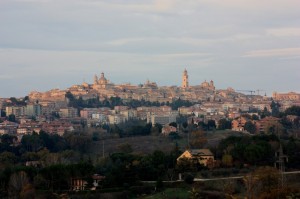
7	158
17	182
293	110
158	127
184	124
12	118
211	124
2	113
274	127
27	192
188	178
263	180
95	136
173	136
265	113
7	139
227	160
78	142
254	117
174	124
275	108
224	124
197	139
32	142
184	164
250	127
202	125
287	124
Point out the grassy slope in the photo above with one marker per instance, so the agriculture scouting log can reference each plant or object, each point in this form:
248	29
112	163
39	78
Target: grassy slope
148	144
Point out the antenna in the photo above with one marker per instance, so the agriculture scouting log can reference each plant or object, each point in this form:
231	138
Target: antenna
250	91
281	158
258	90
103	148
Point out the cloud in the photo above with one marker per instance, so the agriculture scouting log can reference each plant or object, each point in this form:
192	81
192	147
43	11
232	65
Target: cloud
164	5
124	41
254	4
283	52
284	32
74	38
179	55
7	77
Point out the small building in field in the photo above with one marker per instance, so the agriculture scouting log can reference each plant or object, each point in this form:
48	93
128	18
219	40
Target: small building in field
167	129
201	156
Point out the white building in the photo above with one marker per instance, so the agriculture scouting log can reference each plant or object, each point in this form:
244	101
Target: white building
162	118
116	119
15	110
33	110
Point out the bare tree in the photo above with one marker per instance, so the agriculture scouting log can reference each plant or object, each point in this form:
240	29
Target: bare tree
17	182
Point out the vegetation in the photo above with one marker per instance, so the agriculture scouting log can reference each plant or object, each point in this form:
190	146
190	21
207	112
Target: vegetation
53	160
117	101
224	124
293	110
250	127
18	102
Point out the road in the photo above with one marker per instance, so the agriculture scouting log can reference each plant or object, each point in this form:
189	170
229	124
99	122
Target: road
217	179
236	177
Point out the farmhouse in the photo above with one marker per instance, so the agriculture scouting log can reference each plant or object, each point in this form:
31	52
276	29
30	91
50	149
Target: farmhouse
201	156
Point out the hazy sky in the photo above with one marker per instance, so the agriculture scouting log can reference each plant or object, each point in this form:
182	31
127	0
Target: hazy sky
244	44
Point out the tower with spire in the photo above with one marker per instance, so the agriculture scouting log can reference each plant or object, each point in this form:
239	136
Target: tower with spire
185	79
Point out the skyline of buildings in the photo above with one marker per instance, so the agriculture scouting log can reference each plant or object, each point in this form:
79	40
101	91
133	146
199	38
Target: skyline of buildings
245	45
53	110
103	83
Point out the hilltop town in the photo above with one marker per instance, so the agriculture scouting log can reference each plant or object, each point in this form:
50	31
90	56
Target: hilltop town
103	102
144	137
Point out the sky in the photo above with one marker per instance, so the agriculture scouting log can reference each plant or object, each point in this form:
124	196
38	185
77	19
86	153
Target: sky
243	44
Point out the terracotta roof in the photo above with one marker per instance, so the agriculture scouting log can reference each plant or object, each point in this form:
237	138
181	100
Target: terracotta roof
200	152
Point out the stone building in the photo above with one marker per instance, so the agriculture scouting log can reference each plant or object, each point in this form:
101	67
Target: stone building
286	96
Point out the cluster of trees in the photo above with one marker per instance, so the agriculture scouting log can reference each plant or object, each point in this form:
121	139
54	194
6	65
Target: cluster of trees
206	126
22	182
256	150
293	110
18	102
42	146
209	125
117	101
130	128
127	168
224	124
119	169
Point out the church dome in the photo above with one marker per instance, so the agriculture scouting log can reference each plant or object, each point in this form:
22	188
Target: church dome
102	79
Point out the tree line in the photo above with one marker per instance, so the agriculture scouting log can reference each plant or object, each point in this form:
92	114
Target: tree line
117	101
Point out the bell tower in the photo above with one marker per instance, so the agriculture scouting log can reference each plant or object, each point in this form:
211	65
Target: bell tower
185	79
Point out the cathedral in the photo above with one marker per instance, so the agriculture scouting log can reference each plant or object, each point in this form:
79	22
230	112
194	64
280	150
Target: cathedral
204	85
101	83
208	85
